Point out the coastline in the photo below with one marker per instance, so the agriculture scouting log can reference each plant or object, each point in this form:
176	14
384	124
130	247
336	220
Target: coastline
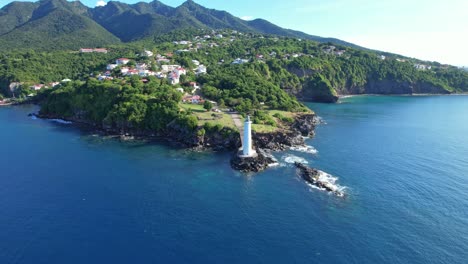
409	95
225	139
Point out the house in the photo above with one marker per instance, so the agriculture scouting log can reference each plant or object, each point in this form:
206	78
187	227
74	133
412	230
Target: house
37	87
422	67
200	70
143	73
339	52
382	57
184	42
180	90
220	36
141	66
148	53
100	50
239	61
84	50
180	71
124	70
273	54
110	67
174	78
66	80
53	84
169	68
122	61
194	99
163	60
195	62
207	37
194	85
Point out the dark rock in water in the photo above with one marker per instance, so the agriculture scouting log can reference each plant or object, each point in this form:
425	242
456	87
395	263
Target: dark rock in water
312	176
252	164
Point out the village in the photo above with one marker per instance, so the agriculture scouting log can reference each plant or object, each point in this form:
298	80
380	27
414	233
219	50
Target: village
162	66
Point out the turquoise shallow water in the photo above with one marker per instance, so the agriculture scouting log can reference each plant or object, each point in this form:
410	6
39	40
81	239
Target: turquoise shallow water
70	197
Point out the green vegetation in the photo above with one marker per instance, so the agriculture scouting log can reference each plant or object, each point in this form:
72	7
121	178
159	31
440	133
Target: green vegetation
49	25
127	106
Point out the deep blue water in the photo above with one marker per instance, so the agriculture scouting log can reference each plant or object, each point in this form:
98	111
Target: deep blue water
69	197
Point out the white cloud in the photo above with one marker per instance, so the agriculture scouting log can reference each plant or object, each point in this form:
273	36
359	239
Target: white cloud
246	17
101	3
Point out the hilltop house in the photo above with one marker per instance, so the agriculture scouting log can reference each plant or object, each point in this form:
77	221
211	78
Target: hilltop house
194	99
110	67
100	50
240	61
122	61
200	70
37	87
174	78
85	50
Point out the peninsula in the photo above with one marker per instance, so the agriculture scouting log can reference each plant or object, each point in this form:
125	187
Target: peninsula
190	82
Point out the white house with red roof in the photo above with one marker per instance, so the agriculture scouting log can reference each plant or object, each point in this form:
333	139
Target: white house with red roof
174	78
180	71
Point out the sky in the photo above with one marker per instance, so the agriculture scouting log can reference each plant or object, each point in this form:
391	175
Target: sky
432	30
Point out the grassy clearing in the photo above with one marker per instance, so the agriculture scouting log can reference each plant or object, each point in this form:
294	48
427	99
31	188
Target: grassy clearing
207	116
264	128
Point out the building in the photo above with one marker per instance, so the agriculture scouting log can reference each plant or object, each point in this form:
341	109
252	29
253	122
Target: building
122	61
200	70
247	150
148	53
37	87
240	61
110	67
85	50
100	50
174	78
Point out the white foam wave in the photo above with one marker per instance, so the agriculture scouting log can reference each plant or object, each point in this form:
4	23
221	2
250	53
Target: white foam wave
321	120
329	181
305	149
293	159
61	121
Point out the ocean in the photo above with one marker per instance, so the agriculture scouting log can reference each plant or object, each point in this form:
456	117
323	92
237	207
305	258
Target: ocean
67	196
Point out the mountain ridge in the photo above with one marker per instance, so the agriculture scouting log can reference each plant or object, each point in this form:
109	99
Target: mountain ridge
119	22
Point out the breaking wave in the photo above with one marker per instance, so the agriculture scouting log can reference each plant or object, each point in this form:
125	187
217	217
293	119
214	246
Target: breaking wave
291	159
330	182
305	149
61	121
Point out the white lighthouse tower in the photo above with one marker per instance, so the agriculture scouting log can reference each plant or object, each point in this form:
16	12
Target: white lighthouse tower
247	150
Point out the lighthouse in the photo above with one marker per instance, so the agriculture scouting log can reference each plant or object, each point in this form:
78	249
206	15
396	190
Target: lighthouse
247	150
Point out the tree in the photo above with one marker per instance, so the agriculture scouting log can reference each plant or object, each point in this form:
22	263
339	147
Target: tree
207	105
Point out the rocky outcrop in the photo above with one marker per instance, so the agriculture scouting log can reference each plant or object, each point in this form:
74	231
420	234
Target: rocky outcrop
252	164
312	176
303	126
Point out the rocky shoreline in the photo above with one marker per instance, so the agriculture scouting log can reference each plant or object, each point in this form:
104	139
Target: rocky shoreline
302	127
225	139
312	176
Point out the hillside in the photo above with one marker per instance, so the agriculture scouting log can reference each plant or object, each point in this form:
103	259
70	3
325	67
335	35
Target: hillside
59	24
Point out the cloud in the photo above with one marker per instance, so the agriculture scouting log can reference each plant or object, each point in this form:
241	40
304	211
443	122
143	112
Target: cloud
246	17
101	3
